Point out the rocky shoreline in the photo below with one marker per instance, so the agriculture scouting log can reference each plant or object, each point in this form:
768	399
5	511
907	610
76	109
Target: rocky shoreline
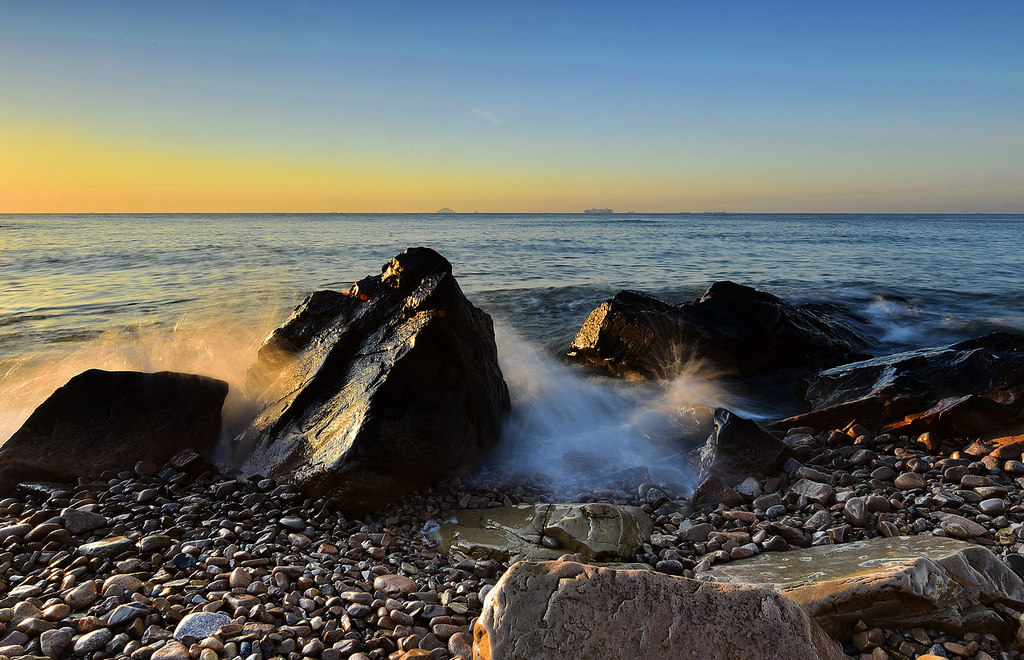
112	567
885	522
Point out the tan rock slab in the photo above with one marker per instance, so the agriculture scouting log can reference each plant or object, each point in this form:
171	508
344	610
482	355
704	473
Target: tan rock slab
555	610
900	582
546	531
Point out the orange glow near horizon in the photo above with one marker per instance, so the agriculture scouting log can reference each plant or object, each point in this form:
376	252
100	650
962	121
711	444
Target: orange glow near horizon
62	170
340	107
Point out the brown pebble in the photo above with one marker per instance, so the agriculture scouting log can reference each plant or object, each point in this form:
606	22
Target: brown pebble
460	644
395	586
240	578
172	651
910	481
856	512
445	630
956	649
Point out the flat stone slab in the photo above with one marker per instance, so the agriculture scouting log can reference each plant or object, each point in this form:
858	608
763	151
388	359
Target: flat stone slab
546	531
900	582
560	609
110	547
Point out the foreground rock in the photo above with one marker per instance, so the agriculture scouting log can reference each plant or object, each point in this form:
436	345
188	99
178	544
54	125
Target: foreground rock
376	392
736	329
971	388
597	531
110	420
905	582
566	609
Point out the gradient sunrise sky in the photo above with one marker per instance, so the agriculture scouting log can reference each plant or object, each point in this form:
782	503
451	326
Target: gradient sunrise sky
520	106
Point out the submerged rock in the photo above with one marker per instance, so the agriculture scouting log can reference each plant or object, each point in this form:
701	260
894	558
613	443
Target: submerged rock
900	582
970	388
370	394
569	610
546	531
111	420
735	329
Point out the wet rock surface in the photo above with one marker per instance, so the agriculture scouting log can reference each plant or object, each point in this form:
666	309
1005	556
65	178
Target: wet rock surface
599	532
372	393
172	560
904	581
110	420
739	449
969	388
560	609
735	329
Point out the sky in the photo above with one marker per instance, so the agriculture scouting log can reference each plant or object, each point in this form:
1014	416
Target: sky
402	106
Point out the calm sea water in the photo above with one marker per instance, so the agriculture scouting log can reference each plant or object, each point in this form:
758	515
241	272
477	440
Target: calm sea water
198	292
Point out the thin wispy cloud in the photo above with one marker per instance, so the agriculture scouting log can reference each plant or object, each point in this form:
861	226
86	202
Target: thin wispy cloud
489	116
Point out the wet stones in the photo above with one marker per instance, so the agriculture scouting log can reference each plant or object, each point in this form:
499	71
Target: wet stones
317	594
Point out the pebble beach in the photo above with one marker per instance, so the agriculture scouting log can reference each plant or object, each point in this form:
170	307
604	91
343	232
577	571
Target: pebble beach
160	563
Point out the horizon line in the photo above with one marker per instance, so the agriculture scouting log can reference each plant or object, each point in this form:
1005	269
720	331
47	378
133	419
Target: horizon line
5	213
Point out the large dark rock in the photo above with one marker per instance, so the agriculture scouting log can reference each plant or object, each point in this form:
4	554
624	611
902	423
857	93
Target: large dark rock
970	388
738	449
735	329
110	420
372	393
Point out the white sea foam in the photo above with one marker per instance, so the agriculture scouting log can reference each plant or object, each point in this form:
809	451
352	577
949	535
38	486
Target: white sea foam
572	425
224	351
898	322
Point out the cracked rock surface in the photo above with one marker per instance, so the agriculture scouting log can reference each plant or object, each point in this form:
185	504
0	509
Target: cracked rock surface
561	608
369	394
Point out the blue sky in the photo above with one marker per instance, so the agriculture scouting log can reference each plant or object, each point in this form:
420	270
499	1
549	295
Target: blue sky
512	106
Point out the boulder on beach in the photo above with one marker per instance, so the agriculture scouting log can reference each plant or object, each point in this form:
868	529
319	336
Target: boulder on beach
111	420
971	388
371	393
597	531
737	449
900	582
732	329
563	609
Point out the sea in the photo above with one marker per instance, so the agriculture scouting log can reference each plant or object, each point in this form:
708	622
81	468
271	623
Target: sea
199	293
